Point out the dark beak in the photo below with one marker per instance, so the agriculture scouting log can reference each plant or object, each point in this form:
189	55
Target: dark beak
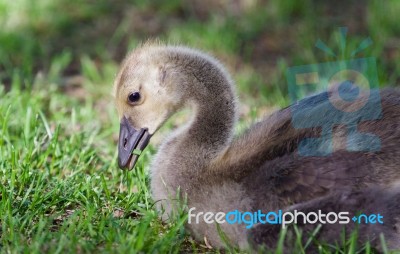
131	144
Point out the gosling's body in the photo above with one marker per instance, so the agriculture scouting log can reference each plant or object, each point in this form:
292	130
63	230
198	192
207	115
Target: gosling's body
258	170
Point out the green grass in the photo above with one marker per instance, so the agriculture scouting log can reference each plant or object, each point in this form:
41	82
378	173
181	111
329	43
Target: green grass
60	188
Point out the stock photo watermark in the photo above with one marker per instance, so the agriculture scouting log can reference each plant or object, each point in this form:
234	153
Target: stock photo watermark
249	219
342	92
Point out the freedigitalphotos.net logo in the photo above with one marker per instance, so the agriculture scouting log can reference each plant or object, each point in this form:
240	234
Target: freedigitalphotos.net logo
249	219
347	94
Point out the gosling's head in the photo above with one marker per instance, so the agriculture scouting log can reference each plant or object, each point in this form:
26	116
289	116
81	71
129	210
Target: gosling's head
146	96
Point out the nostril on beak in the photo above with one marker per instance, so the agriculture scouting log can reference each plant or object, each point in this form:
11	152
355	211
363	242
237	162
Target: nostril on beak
125	142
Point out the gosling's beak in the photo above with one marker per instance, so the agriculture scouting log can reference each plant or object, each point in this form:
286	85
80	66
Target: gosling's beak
131	144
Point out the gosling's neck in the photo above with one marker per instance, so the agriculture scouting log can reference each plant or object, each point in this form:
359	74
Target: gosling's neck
209	92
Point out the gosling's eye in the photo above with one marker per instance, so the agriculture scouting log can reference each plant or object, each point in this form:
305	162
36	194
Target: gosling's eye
134	97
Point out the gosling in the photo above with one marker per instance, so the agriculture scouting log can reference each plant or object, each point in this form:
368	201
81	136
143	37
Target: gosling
202	163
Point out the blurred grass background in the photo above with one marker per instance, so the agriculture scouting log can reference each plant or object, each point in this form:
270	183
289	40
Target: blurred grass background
60	189
256	39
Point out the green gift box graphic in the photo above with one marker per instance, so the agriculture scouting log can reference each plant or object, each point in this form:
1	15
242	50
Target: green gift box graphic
345	93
